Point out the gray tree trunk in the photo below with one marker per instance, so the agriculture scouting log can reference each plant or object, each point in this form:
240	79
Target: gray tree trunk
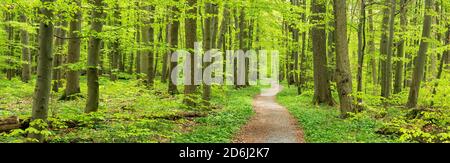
115	51
384	46
173	42
361	47
400	50
322	91
44	71
93	57
73	55
371	43
191	37
58	56
26	56
418	72
209	39
343	71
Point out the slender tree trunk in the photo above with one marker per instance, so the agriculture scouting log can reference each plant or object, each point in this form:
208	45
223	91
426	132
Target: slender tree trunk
138	51
26	56
209	39
148	40
322	91
115	51
73	57
418	72
173	42
166	54
400	50
384	46
10	52
224	26
303	53
373	61
191	37
44	74
361	47
343	71
386	90
93	57
243	40
144	67
58	57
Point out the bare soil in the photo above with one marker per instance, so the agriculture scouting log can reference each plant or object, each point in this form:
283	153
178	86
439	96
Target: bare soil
272	122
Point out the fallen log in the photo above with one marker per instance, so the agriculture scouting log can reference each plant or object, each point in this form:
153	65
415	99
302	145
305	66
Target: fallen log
178	115
9	123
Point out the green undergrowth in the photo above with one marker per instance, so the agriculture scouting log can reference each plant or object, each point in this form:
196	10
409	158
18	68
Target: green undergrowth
128	112
221	127
321	124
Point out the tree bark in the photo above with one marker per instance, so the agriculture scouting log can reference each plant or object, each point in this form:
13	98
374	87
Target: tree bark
9	17
73	55
322	91
209	39
165	69
384	46
26	55
115	51
418	72
93	57
191	37
400	50
343	71
58	56
173	42
148	39
44	74
371	43
361	48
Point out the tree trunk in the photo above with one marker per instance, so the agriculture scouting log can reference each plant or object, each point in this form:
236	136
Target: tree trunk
138	51
73	57
93	57
10	43
384	46
173	42
417	75
58	57
166	54
148	39
44	74
361	48
26	56
322	91
343	71
209	39
191	38
400	50
371	43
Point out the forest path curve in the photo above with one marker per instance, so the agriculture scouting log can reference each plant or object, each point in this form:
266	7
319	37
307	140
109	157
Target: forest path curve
272	122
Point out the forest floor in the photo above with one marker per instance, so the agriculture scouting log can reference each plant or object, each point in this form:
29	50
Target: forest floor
272	122
130	113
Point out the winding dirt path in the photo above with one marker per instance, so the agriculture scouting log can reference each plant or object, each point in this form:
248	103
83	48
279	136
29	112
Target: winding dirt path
272	123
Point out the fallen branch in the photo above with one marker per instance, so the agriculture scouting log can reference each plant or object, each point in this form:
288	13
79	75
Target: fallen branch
9	123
